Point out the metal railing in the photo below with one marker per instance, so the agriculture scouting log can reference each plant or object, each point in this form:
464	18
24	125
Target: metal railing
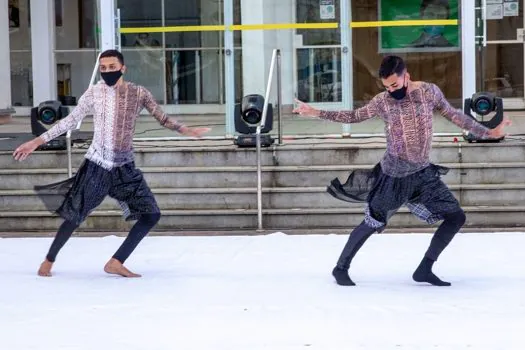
276	57
68	134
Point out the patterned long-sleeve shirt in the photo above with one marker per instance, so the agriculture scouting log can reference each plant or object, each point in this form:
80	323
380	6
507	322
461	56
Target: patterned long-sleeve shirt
115	110
408	126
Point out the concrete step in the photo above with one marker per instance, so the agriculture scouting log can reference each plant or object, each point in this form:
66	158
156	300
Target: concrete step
275	219
274	198
273	176
356	152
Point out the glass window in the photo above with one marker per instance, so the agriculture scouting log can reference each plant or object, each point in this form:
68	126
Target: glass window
143	52
436	61
20	52
193	13
141	13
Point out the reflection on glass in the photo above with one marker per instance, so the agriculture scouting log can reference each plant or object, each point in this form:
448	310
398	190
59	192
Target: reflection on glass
140	13
313	11
146	68
87	15
74	70
21	79
319	75
506	27
193	13
502	75
238	75
194	76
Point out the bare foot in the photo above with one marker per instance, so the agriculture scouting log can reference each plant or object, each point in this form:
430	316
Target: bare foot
45	268
115	267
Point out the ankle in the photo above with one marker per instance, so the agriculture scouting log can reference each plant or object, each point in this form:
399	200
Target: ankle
426	264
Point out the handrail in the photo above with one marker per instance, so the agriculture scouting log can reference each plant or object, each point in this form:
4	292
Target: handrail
68	134
276	57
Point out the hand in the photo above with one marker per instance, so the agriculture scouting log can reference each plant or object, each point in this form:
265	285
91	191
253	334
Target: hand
498	131
24	150
197	132
305	110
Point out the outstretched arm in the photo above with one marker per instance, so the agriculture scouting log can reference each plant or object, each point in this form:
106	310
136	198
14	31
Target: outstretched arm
462	120
368	111
84	107
149	102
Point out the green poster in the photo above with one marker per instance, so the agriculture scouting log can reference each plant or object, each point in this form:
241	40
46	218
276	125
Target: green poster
430	38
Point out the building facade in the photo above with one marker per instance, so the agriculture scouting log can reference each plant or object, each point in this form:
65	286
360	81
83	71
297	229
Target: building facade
202	56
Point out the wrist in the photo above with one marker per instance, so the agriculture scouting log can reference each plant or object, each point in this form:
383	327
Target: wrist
39	141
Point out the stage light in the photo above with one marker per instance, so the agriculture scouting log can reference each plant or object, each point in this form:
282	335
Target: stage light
45	116
248	115
483	104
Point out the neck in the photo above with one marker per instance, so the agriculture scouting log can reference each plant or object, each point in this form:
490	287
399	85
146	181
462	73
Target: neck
411	86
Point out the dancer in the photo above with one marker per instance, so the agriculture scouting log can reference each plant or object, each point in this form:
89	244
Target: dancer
109	168
404	176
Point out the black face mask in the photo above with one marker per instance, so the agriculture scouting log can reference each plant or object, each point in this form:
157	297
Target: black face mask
400	93
111	78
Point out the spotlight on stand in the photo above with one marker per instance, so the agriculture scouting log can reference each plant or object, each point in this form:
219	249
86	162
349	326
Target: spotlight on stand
482	104
45	116
248	115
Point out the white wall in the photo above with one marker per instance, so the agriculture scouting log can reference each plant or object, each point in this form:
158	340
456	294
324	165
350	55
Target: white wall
283	12
43	44
20	68
257	47
5	71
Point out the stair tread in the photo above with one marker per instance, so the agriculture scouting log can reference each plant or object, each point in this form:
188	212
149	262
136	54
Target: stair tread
311	189
283	168
194	212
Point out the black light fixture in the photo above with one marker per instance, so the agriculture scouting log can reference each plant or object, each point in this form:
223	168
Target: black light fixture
43	117
482	104
248	115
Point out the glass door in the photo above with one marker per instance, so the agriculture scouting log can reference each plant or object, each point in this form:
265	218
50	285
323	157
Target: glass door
501	50
318	62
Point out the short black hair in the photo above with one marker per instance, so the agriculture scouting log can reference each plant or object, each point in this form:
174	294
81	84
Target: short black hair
113	53
391	65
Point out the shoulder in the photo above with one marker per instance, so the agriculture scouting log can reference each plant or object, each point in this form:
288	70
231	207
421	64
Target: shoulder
380	97
140	89
431	91
430	87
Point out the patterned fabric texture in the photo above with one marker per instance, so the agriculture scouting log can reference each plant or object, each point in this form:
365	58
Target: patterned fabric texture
75	198
115	110
408	126
424	194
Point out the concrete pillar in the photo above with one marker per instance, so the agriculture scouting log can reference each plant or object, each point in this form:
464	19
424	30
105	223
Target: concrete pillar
107	24
5	64
43	47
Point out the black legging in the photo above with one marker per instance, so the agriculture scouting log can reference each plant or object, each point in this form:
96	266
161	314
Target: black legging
444	234
451	225
136	234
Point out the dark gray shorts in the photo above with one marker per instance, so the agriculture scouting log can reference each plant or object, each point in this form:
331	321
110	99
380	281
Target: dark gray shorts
423	192
75	198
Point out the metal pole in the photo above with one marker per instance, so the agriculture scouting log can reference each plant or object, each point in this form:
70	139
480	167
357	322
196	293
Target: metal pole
69	166
279	99
198	92
68	134
259	179
268	89
258	140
